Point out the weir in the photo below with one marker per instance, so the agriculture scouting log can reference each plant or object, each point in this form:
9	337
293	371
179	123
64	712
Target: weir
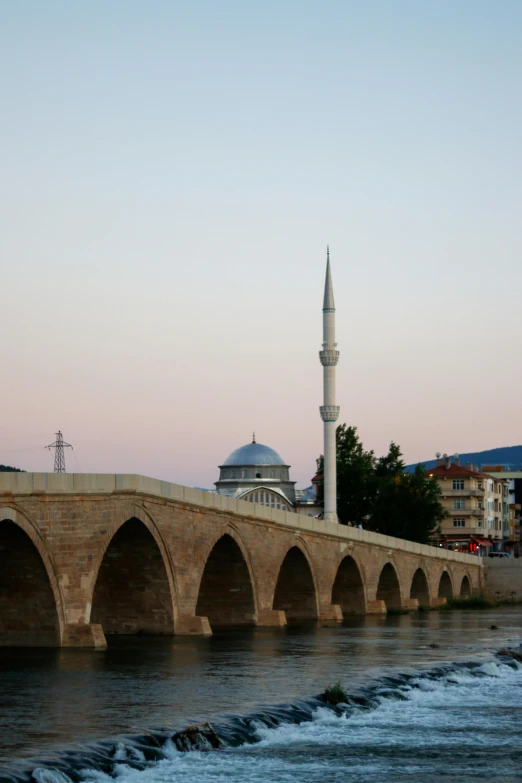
109	554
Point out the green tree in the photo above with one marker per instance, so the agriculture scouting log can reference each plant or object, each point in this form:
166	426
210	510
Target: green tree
392	465
408	507
389	471
380	494
9	469
355	476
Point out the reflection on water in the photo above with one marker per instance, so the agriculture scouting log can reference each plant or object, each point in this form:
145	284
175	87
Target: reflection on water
50	699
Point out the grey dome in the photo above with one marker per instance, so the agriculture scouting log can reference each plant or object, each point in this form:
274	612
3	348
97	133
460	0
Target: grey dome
254	454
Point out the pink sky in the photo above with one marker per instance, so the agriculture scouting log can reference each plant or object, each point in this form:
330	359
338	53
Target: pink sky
169	187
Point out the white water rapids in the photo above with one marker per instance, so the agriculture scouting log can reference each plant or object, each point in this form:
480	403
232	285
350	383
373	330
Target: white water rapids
462	725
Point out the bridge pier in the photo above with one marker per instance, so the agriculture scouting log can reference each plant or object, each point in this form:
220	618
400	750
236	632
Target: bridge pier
436	602
84	635
185	625
271	618
375	607
410	604
332	614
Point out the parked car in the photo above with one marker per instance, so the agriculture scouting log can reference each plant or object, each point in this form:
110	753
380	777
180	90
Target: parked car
500	554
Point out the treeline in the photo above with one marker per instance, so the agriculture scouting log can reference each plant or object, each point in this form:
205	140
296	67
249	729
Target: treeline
378	494
9	469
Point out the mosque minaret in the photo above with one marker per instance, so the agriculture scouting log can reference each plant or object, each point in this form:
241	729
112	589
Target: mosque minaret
329	357
258	474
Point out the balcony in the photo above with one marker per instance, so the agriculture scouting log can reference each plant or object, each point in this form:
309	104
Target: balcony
466	512
461	493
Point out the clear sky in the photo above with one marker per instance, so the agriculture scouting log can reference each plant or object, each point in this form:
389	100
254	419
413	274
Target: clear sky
171	173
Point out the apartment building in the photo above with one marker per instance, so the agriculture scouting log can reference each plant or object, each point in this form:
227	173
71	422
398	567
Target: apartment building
474	502
512	505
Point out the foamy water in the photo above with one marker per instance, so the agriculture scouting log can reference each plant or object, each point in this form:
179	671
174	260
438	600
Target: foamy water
457	724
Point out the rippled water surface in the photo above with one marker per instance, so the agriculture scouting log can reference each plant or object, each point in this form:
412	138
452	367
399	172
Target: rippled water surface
437	704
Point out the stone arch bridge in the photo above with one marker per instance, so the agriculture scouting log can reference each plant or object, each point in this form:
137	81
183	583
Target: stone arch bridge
84	555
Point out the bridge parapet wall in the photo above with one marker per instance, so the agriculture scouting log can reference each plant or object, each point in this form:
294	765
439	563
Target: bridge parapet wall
109	483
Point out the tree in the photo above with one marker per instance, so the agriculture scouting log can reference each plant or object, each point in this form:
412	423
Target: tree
392	465
389	471
355	476
380	494
9	469
415	512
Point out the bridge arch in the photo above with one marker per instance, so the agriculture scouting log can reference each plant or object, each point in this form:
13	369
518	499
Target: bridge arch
445	586
227	594
465	587
133	590
388	588
348	589
420	588
296	587
31	603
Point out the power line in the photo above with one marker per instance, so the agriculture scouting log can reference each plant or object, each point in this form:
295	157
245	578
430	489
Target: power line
59	455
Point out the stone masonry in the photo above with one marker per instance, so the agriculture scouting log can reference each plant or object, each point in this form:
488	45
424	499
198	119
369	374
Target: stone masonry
84	555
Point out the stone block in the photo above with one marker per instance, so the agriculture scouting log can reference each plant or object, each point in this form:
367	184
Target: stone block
331	614
125	482
411	604
16	482
271	618
195	497
94	482
84	635
172	491
375	607
192	626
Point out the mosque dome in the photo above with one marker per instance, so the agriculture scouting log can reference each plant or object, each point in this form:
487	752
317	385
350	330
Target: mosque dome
253	454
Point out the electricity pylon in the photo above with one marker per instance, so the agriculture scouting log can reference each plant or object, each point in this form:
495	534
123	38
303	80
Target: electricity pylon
59	456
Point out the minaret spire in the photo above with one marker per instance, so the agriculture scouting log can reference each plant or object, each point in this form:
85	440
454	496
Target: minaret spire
328	301
329	357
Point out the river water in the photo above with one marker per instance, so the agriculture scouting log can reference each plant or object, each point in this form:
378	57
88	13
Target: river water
431	702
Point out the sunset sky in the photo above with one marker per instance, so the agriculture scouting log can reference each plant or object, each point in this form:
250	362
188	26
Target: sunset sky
171	175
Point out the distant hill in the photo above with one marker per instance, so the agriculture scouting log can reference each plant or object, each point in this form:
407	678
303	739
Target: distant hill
9	469
510	456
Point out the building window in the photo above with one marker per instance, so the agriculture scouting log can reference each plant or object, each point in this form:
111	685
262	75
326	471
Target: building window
272	474
233	474
480	523
459	522
258	475
459	504
458	483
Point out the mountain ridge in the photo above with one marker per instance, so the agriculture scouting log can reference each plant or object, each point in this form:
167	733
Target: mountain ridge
503	455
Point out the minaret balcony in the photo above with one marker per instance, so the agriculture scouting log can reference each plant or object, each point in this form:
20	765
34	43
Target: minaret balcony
329	357
329	412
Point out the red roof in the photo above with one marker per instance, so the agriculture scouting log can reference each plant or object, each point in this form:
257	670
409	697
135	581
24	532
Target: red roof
457	471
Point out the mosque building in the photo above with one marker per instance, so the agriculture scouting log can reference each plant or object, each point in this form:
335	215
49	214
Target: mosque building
258	474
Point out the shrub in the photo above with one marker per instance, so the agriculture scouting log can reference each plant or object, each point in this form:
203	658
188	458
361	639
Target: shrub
334	694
